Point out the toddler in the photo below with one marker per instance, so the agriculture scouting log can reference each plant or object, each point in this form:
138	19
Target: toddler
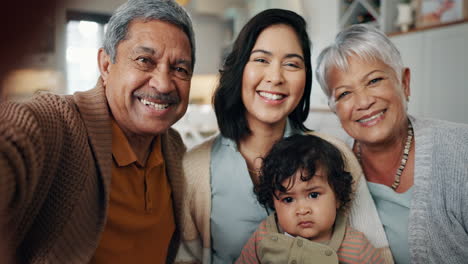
304	181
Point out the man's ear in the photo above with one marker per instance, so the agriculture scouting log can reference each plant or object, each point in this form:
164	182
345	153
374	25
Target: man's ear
104	63
405	82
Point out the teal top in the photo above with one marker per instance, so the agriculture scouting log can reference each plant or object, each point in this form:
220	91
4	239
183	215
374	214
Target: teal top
393	209
235	211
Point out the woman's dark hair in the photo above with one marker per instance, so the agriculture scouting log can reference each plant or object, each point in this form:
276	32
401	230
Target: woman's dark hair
306	152
227	99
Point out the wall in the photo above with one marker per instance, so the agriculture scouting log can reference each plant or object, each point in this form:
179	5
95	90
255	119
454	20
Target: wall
438	61
209	31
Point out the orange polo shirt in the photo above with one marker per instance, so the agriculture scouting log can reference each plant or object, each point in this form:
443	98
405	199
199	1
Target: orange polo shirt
140	219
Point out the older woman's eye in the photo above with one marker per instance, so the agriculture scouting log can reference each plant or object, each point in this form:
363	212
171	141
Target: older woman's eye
341	95
374	81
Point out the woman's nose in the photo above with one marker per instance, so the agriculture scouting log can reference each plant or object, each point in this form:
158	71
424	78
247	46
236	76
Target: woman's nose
274	74
363	99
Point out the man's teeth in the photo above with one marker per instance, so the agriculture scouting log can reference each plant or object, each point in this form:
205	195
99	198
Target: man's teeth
154	105
370	118
271	96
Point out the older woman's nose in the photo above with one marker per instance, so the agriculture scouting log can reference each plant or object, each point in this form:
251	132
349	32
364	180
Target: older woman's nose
363	100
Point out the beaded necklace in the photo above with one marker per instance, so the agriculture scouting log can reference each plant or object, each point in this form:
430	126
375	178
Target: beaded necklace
404	159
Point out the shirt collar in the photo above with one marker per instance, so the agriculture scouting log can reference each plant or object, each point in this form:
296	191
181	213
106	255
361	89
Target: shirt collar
124	154
121	150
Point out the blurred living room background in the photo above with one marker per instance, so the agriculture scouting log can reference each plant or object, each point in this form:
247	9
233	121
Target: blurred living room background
432	36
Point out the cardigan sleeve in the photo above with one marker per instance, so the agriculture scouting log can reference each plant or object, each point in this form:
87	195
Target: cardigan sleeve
21	156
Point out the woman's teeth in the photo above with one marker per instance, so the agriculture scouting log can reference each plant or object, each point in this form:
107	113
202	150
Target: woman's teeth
371	118
271	96
154	105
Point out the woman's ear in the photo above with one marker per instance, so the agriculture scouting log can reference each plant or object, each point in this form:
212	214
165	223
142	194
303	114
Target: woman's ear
405	82
104	64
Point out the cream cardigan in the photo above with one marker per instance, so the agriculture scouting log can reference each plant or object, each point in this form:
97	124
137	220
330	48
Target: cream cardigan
196	208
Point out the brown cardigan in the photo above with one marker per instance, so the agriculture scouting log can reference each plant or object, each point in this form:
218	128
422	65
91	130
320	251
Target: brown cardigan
55	174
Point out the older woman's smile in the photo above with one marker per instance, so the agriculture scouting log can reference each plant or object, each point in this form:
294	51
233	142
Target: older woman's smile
369	118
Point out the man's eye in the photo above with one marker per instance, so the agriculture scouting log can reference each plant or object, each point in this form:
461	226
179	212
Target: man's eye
144	60
181	72
314	195
180	69
145	64
287	200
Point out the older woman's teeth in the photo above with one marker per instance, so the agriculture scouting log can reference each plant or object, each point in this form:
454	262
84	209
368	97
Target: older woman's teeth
370	118
271	96
154	105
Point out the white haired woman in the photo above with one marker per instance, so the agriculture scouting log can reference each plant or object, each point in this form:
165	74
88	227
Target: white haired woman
416	169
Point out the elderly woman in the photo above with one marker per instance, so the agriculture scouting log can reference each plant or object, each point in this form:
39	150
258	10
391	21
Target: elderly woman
416	169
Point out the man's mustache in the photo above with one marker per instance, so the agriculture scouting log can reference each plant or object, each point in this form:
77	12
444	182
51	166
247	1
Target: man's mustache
166	98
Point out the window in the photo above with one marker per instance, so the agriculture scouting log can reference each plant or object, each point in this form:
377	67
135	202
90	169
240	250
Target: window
84	37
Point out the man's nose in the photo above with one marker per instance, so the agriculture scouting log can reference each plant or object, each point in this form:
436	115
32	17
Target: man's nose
161	80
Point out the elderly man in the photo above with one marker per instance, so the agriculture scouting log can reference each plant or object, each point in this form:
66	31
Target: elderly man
91	177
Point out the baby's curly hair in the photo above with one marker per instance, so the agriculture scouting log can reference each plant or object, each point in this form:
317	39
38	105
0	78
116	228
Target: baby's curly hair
303	152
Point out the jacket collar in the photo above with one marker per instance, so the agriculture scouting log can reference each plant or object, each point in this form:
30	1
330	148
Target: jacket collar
94	110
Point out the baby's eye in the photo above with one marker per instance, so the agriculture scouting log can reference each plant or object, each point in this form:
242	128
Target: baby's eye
314	195
287	200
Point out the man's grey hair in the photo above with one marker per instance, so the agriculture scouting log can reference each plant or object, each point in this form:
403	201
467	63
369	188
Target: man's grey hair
145	10
363	41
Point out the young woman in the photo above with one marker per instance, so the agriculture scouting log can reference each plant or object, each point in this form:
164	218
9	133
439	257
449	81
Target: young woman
263	96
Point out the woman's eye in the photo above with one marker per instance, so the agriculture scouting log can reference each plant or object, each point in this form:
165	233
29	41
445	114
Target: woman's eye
341	95
374	81
260	60
287	200
291	64
314	195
